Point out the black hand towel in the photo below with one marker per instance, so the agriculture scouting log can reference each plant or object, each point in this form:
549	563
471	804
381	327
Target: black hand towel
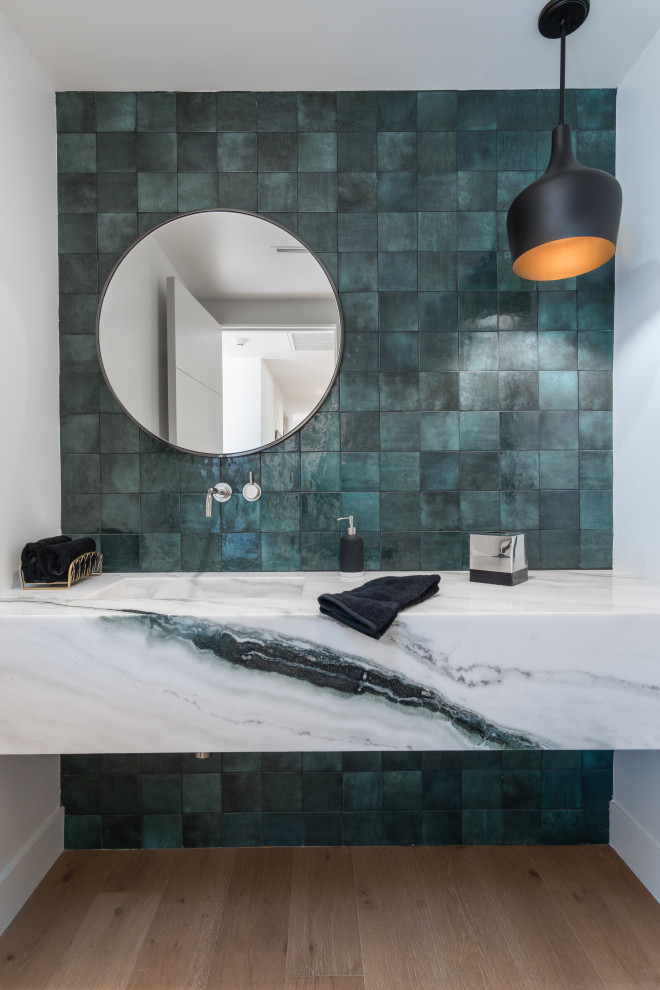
56	558
373	607
32	571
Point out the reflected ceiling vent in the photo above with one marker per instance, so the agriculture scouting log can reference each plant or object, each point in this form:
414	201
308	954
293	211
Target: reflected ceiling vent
312	340
289	249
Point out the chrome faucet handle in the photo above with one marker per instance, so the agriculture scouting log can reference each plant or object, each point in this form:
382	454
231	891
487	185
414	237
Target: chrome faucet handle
251	491
221	493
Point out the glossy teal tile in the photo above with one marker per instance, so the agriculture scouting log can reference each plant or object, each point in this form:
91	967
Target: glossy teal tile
357	192
280	512
399	511
519	510
438	231
364	507
76	193
320	511
357	232
237	190
196	112
280	551
518	390
558	350
399	431
439	390
479	471
560	549
360	431
557	310
439	511
200	552
321	432
397	151
120	553
477	310
436	270
438	311
397	191
358	272
479	430
482	827
360	471
439	471
160	513
558	430
76	153
279	472
156	112
437	111
400	471
237	152
480	511
197	191
399	351
397	111
397	270
478	351
439	430
595	430
478	390
596	510
75	112
116	152
596	549
476	151
477	270
399	391
357	111
597	149
241	551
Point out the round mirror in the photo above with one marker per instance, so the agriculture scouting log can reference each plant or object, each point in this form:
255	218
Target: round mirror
220	332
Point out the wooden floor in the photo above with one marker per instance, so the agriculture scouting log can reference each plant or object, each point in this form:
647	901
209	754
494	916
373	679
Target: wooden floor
538	918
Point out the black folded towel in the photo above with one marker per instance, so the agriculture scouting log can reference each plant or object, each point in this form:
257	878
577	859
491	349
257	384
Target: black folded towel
30	566
56	559
373	607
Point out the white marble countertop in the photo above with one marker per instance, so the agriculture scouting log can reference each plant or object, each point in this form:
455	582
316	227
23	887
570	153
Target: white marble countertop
236	661
296	593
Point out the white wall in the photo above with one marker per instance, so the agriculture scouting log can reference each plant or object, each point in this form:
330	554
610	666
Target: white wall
30	818
132	334
635	821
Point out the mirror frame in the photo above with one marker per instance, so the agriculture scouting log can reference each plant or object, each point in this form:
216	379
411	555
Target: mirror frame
233	453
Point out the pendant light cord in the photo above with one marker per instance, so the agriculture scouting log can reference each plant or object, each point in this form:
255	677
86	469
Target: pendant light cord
562	72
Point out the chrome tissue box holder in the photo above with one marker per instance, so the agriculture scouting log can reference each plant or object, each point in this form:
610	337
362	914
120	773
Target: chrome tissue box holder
498	558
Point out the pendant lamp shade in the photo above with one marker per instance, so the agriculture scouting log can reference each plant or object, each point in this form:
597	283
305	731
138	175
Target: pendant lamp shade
566	223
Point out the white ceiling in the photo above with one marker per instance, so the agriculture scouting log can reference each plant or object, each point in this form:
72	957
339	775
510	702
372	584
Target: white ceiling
323	44
232	255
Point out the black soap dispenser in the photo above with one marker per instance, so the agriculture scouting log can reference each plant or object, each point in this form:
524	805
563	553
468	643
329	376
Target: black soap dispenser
351	552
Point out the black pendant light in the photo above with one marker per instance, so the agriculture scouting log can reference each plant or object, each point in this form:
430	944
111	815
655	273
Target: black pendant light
566	223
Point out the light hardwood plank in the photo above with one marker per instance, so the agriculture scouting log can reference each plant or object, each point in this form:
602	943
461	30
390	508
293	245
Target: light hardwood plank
324	939
324	983
543	946
104	950
253	933
141	871
39	935
180	943
398	950
469	941
618	929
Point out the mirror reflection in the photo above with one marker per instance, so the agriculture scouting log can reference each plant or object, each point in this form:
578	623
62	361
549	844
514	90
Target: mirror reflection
219	332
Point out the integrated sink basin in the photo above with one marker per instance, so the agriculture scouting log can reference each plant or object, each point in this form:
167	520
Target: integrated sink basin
239	662
202	587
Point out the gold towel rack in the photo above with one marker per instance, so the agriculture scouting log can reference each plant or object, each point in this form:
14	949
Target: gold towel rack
87	565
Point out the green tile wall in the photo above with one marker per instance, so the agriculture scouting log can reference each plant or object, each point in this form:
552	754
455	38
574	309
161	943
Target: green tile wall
435	798
468	399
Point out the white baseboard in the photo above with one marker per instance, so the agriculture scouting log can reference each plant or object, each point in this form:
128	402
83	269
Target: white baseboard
27	869
636	848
